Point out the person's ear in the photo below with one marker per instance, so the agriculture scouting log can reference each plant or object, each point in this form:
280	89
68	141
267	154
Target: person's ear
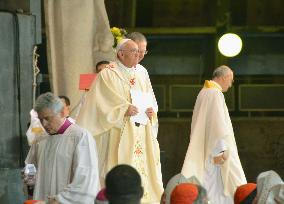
120	54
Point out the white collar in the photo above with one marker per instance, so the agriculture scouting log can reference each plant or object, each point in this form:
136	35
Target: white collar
218	85
128	70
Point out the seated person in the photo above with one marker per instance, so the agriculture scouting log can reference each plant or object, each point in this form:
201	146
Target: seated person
245	194
184	193
176	180
123	185
265	181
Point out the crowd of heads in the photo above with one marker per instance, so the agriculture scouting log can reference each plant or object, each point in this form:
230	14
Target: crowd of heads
123	185
269	189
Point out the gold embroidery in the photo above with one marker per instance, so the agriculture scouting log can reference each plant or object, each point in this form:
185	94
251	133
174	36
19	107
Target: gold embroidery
138	150
139	164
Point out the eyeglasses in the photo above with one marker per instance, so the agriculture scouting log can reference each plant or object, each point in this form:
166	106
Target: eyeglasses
134	51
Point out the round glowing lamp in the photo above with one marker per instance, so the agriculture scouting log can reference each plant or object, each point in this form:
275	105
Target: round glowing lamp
230	44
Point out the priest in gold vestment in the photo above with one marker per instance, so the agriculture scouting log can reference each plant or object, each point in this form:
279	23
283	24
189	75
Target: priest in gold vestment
119	140
212	155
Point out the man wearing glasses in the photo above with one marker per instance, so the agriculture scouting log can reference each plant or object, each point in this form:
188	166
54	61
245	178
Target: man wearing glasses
121	140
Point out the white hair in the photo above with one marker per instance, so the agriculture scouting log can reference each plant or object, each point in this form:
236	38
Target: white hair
221	71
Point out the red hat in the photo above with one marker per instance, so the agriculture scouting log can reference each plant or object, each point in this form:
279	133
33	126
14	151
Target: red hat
185	193
31	201
243	192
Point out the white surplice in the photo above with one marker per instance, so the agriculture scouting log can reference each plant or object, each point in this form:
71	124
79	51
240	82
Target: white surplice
212	133
67	167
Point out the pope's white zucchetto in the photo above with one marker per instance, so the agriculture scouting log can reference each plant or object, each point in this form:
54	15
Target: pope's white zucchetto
121	43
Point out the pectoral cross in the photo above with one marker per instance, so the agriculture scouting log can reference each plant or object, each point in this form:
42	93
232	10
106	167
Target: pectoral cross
132	81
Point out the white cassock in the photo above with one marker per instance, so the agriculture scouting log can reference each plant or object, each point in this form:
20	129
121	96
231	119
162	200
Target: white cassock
67	167
212	133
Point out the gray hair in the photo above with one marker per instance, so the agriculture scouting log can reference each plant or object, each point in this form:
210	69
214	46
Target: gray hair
49	101
221	71
136	36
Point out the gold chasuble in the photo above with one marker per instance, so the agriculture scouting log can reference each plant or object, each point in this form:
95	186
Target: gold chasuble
119	140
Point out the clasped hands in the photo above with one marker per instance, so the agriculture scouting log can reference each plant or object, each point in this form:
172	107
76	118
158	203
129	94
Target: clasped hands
133	110
221	158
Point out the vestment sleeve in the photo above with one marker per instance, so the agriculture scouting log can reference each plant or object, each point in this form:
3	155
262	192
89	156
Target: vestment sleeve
154	120
155	104
32	155
220	147
106	104
85	182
